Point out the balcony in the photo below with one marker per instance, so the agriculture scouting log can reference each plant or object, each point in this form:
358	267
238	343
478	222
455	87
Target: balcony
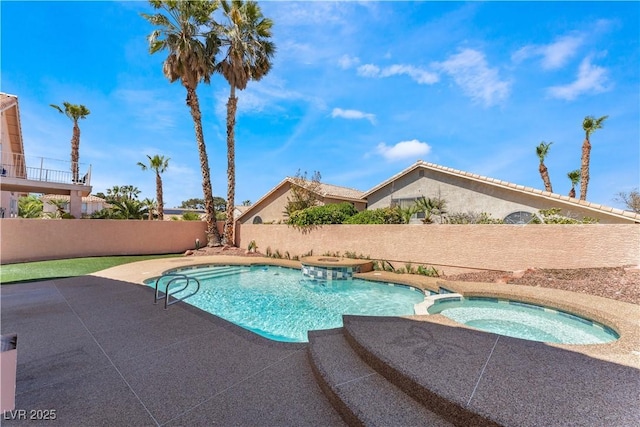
42	175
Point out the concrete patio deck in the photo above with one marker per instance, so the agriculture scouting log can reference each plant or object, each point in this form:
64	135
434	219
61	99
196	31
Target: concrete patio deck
98	351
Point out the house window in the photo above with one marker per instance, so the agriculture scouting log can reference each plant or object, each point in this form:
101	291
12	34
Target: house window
257	220
84	208
520	217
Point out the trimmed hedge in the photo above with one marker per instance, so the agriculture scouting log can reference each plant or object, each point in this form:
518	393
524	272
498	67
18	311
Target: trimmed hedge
377	216
325	214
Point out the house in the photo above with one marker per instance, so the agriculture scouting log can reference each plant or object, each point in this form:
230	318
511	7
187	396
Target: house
20	175
270	208
90	204
467	192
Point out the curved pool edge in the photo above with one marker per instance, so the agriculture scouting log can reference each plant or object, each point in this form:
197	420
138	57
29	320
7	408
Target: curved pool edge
623	317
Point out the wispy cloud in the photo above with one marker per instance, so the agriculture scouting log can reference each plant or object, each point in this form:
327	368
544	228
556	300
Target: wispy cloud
470	71
403	150
554	55
419	75
149	108
353	115
591	79
345	62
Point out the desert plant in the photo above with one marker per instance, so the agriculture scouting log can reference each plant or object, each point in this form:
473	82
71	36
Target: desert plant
253	246
431	206
430	272
554	216
267	251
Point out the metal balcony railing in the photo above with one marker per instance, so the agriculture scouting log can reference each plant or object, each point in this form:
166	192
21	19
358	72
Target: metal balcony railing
43	169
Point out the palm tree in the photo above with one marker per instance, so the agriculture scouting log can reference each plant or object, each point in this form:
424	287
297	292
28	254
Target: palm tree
129	209
159	164
75	113
191	60
574	176
247	56
30	207
431	206
150	204
542	150
590	124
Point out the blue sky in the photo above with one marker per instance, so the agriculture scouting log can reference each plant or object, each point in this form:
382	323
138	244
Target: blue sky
358	91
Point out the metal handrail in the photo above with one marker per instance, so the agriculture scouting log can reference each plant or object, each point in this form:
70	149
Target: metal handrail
166	293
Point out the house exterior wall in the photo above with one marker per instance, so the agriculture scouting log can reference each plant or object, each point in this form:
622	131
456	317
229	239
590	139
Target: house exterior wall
465	195
452	247
87	207
8	199
271	209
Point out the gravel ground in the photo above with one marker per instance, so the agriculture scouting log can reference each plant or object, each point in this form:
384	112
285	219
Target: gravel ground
615	283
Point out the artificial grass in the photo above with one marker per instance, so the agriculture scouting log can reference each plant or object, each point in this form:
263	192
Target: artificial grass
41	270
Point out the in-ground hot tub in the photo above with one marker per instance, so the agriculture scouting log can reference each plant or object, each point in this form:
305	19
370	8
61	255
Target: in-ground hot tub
333	268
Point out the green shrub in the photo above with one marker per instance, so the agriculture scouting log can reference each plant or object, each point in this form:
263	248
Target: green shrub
472	218
325	214
377	216
553	216
191	216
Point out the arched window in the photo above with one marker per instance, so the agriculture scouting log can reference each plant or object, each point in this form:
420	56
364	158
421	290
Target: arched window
257	220
520	217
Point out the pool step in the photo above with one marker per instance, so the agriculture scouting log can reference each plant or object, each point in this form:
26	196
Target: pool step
360	394
214	273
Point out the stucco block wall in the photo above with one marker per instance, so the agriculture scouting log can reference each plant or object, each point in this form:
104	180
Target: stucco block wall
495	247
464	195
41	239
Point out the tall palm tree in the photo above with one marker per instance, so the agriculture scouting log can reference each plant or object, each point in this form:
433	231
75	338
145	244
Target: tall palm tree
75	113
574	176
191	58
542	150
590	124
247	50
159	165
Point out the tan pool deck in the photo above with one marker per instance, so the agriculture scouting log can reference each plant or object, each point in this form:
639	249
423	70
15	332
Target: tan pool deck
97	350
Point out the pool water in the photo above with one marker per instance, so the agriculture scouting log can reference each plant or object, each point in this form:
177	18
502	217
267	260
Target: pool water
277	303
521	320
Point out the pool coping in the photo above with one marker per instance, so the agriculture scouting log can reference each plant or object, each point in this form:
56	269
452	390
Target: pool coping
622	317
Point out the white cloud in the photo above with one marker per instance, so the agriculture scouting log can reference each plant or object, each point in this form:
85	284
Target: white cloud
554	55
347	61
353	115
404	150
419	75
591	79
471	72
369	70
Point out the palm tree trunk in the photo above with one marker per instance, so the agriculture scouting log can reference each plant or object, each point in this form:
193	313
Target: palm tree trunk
584	168
159	197
544	174
213	235
232	105
75	151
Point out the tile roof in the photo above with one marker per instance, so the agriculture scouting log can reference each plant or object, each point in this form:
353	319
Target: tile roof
508	185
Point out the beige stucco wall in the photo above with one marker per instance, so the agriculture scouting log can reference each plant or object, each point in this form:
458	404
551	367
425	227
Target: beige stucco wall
8	199
271	209
496	247
465	195
40	239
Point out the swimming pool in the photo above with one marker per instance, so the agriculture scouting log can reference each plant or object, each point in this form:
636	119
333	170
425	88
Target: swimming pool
279	304
522	320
